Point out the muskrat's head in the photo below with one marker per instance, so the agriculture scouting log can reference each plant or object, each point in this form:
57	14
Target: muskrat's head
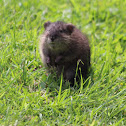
58	34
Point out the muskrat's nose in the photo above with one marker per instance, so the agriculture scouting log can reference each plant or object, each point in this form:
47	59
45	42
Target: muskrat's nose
53	37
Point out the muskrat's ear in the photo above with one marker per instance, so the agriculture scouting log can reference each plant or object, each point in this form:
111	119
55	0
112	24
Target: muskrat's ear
70	28
46	24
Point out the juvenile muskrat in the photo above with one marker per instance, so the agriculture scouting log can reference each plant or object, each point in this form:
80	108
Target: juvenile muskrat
62	47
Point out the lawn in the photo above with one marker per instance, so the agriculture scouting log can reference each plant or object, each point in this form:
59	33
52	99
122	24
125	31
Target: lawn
30	96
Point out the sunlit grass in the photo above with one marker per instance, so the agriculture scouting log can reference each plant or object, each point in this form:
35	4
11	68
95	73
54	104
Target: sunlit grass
30	96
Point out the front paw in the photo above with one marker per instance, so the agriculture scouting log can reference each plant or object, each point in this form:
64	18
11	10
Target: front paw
47	60
58	59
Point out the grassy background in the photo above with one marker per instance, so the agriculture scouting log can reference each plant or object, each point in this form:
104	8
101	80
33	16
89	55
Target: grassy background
29	97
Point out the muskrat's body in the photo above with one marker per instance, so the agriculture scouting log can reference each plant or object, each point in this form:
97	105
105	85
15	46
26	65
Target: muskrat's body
62	46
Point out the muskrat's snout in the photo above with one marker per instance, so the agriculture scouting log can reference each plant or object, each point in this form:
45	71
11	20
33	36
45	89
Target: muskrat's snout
50	41
53	37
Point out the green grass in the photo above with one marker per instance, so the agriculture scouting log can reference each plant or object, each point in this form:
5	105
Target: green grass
28	96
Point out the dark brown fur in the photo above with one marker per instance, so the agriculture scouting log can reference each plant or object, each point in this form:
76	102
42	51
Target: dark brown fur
63	45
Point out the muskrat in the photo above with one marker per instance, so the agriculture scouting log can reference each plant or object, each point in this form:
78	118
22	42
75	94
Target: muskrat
65	48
